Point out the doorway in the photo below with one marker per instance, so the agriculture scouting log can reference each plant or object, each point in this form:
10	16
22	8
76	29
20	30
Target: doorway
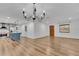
51	28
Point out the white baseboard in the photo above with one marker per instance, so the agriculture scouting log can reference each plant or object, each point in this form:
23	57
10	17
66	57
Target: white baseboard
73	37
35	37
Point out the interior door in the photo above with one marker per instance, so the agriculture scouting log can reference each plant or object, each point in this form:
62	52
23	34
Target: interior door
51	28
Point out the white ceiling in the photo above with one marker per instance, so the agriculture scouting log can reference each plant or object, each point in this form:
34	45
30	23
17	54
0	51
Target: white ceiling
58	11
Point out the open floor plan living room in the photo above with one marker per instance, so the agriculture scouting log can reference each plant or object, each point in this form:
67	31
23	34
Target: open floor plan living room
39	29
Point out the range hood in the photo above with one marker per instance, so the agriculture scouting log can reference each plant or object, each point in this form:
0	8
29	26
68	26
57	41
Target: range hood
3	27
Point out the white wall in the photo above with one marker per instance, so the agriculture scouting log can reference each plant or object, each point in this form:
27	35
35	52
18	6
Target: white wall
74	30
30	30
37	30
41	30
34	30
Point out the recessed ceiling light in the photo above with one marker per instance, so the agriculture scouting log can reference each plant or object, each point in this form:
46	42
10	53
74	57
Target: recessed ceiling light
23	9
8	17
69	18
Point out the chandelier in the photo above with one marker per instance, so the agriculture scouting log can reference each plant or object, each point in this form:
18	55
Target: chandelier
34	16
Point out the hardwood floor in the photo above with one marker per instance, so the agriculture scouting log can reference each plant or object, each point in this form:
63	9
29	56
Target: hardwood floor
47	46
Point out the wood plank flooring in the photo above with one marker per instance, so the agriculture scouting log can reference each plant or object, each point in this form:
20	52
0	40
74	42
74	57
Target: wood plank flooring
47	46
